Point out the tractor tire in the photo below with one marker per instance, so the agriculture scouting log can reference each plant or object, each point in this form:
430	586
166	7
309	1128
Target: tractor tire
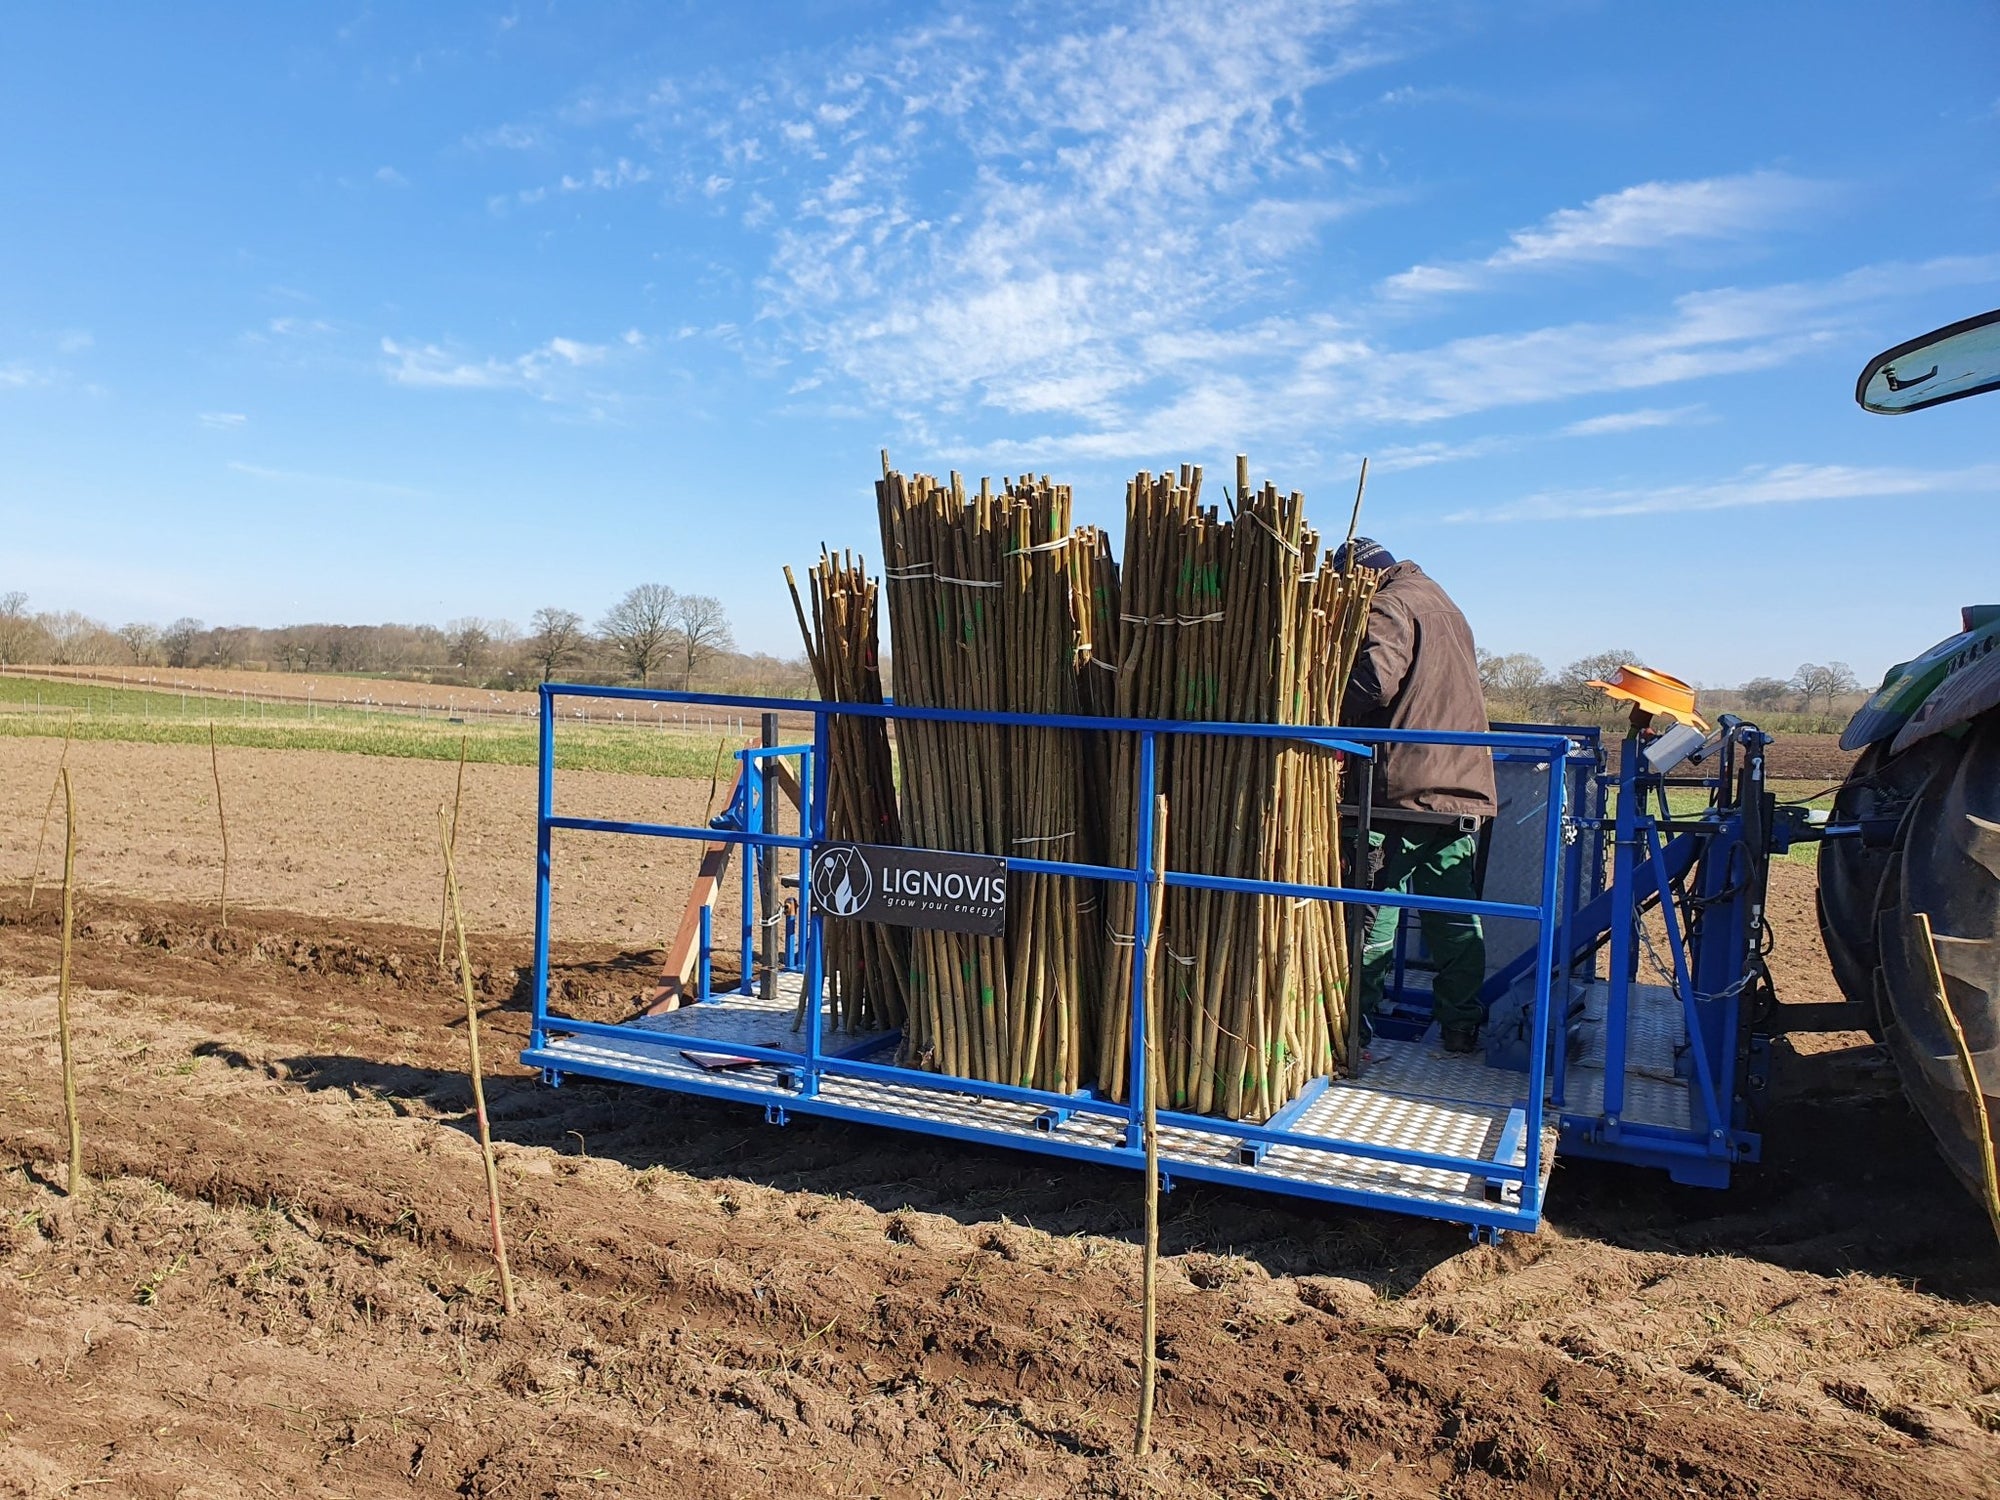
1949	870
1857	879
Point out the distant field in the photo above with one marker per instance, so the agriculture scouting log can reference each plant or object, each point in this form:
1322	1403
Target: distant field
645	746
300	687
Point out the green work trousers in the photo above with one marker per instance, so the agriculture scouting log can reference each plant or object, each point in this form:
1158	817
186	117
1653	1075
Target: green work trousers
1423	859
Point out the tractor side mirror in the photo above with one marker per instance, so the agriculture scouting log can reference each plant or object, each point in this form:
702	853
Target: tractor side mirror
1961	359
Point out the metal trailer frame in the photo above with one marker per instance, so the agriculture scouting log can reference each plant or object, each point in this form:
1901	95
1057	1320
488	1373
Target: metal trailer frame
1667	1074
1686	1093
1417	1132
751	816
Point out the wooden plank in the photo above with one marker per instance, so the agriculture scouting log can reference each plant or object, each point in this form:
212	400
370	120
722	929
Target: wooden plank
676	984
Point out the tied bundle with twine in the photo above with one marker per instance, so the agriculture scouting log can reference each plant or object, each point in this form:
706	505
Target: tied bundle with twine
1240	620
985	595
997	603
865	962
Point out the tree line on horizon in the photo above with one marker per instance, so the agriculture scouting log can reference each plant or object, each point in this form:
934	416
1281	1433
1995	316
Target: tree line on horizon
654	635
1519	688
657	636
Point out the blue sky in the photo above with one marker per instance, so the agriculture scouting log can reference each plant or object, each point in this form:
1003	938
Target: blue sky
421	312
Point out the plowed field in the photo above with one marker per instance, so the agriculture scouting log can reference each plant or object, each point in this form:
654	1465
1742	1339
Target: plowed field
277	1281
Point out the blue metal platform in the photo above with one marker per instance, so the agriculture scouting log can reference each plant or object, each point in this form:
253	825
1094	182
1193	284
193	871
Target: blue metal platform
1659	1075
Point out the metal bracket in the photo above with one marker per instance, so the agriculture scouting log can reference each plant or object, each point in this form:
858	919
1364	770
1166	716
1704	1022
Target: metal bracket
1511	1135
775	1114
552	1077
1251	1153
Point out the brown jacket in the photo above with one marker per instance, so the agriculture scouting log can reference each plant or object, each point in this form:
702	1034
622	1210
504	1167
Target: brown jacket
1417	670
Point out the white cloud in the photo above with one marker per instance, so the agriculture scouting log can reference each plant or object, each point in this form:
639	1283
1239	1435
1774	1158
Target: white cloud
1707	336
1279	378
547	371
1783	484
507	138
223	421
1078	221
1650	216
330	481
432	365
390	177
299	327
74	340
623	174
1634	421
1147	174
571	352
1424	455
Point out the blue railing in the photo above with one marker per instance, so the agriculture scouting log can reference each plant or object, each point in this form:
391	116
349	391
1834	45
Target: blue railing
809	1068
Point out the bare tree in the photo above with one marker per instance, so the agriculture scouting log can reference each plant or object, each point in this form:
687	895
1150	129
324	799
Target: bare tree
77	640
228	646
468	643
555	639
640	628
1516	684
701	629
1814	683
284	647
1572	690
1764	694
20	637
143	641
179	639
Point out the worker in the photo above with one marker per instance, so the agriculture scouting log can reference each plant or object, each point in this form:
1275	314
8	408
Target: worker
1417	669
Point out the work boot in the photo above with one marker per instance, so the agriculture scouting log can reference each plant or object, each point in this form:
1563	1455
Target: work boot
1460	1039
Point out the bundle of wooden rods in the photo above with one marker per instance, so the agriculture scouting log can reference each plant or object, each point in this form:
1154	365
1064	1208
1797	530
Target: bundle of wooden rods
865	963
989	604
1232	620
997	603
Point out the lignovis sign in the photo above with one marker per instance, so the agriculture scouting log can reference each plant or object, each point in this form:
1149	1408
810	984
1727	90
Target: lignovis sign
911	887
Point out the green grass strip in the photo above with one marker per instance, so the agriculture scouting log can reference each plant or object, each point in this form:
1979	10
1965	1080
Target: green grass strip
632	751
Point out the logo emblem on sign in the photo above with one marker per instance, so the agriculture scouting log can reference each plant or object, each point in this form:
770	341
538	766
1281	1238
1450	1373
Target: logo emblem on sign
842	883
909	887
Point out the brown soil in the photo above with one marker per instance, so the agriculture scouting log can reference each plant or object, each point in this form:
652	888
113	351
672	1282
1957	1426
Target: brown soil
1808	757
354	835
278	1281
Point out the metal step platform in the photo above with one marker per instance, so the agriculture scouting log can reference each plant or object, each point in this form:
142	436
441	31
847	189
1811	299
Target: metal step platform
1655	1039
1413	1098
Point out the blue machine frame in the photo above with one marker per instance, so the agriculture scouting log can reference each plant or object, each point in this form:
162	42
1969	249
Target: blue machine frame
1313	1147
